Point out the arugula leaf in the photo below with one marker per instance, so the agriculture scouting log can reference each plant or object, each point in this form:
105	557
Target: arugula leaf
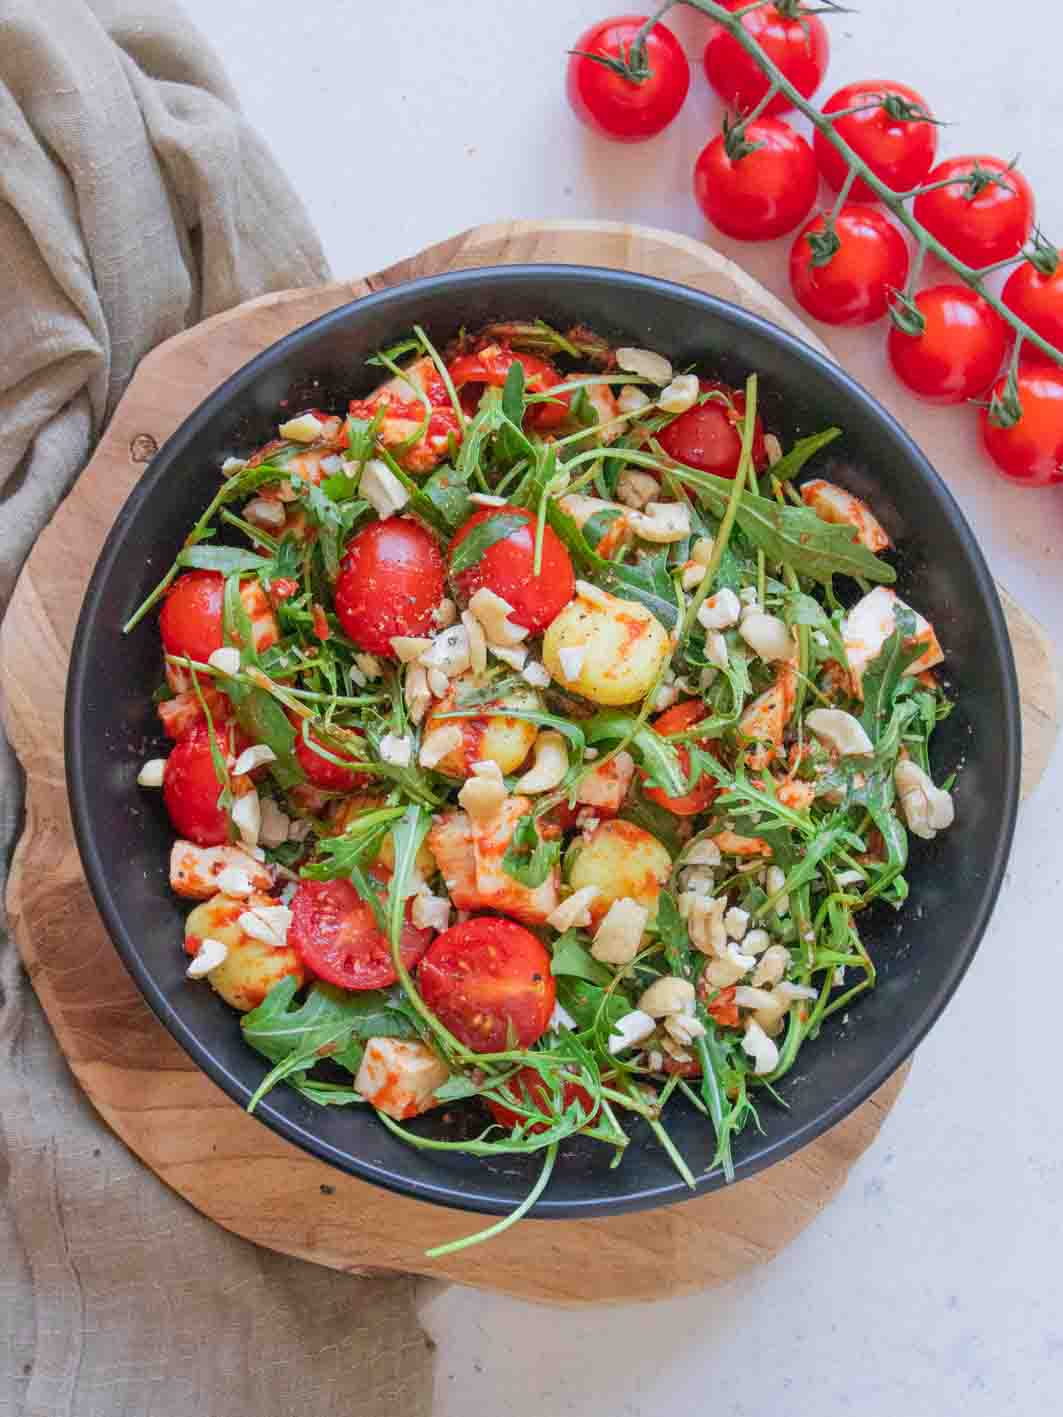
646	580
651	817
528	858
883	675
657	756
572	958
226	559
264	721
443	501
791	463
482	537
596	526
236	621
339	856
672	931
586	1002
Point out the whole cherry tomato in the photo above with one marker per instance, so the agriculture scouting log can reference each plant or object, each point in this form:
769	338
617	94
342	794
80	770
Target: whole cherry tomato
506	567
959	353
190	621
336	935
1031	451
983	215
1037	299
766	192
709	435
616	90
854	286
190	788
706	789
792	36
899	151
390	582
323	772
488	981
469	374
528	1087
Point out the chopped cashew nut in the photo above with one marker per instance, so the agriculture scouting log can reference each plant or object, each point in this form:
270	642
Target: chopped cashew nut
430	912
395	750
617	939
571	661
247	818
152	773
304	429
668	995
536	674
633	1028
635	489
549	765
516	656
274	825
662	522
382	489
369	665
210	954
760	1048
720	611
574	913
477	643
767	635
257	756
445	613
226	659
681	394
755	942
702	550
736	922
773	964
704	917
841	731
235	882
645	363
692	576
728	968
416	692
438	744
268	923
262	512
493	614
485	499
409	648
774	882
716	649
703	853
484	792
438	684
927	809
684	1028
632	399
448	652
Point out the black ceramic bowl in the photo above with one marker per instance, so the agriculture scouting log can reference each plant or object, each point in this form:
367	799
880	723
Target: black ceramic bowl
921	954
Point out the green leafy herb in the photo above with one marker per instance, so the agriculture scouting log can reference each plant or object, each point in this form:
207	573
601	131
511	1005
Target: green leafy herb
883	674
482	537
570	956
226	559
529	858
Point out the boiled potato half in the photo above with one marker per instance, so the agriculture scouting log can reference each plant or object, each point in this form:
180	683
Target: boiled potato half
251	968
607	649
621	860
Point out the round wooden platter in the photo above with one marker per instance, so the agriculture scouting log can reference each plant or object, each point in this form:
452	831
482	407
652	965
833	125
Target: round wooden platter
199	1142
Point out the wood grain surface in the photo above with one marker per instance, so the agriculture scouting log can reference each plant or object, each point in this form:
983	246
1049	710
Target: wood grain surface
198	1141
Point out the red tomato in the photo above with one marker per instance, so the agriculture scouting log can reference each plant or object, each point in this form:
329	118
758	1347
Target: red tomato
488	981
1031	452
492	365
191	618
324	773
981	229
796	42
854	287
336	935
390	582
1038	300
898	152
615	104
707	789
506	568
709	435
723	1010
960	352
528	1087
764	194
190	789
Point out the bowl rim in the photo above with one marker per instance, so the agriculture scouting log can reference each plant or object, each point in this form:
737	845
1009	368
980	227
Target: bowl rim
80	789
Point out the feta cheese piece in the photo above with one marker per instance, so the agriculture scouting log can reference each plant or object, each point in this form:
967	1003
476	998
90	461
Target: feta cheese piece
409	648
226	659
534	673
633	1028
477	643
574	912
416	692
758	1046
445	613
571	661
247	818
716	650
485	499
448	653
399	1076
234	881
430	912
395	750
774	882
560	1018
304	429
382	489
438	744
268	923
720	611
210	954
773	964
618	937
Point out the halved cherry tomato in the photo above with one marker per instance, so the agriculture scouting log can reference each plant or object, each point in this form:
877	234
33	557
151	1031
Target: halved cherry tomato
191	618
959	353
1037	299
709	435
1031	452
390	582
324	773
983	228
623	108
706	789
190	788
470	372
764	194
336	935
793	37
506	567
900	152
854	287
488	981
528	1087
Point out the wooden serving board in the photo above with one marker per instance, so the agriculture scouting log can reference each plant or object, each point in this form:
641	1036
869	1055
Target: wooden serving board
198	1141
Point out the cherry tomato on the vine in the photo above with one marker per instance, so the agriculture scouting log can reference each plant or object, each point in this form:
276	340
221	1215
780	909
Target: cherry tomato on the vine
985	212
855	285
766	192
471	372
1031	451
529	1088
336	935
899	151
390	582
488	981
617	90
190	787
1037	299
709	435
507	567
792	36
960	351
705	791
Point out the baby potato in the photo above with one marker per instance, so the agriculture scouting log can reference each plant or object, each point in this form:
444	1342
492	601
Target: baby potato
505	741
251	968
607	649
345	810
621	860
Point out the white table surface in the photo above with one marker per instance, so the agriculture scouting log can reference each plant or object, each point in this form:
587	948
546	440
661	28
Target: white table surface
932	1287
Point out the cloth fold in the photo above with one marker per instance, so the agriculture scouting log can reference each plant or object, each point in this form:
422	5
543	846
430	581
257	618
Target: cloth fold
134	201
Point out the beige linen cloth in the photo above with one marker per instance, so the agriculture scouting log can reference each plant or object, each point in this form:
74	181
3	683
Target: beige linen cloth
134	201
